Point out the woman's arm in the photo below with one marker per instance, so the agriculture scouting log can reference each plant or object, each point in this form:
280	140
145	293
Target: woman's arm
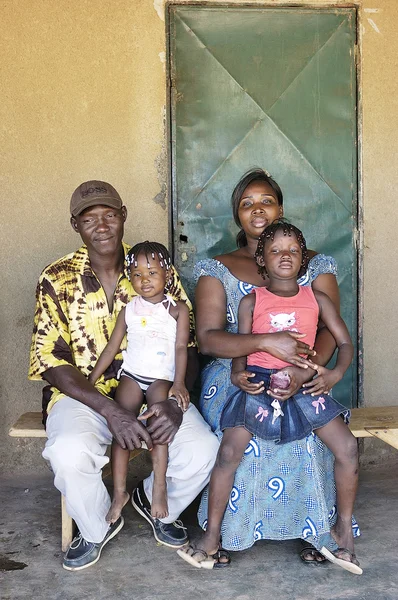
325	344
215	341
111	349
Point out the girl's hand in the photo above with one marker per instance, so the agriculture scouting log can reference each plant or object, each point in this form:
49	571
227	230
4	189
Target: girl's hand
91	379
297	378
242	380
323	382
181	394
287	346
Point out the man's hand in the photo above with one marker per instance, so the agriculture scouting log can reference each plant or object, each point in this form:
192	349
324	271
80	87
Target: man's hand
323	382
297	378
126	429
166	417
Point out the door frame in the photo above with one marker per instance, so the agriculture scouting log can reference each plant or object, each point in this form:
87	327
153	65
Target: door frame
359	213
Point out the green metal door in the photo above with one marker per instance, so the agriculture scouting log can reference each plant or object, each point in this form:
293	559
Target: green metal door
269	87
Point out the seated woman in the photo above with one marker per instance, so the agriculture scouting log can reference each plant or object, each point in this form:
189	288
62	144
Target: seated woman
280	491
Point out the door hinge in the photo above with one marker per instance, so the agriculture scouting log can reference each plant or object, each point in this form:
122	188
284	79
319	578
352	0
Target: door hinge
357	239
356	54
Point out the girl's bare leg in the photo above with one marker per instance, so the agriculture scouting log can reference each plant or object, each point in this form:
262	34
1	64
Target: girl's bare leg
339	439
130	396
229	455
159	506
158	392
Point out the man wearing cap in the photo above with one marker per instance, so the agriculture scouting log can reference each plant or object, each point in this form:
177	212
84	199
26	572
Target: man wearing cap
78	299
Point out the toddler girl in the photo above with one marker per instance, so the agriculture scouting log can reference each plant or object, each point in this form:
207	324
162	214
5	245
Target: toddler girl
154	363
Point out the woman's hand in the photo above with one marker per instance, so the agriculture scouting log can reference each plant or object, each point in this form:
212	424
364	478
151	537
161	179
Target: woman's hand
287	346
323	382
297	378
242	380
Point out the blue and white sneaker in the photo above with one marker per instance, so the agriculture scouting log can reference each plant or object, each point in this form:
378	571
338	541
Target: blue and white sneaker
173	535
83	554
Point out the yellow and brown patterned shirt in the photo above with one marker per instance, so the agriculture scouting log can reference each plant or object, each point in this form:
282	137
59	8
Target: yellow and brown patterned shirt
73	324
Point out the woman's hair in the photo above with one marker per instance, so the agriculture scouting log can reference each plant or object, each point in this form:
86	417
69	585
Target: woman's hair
150	249
249	177
269	234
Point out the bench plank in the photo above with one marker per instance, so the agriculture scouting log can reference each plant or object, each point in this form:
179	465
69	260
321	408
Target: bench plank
368	420
28	425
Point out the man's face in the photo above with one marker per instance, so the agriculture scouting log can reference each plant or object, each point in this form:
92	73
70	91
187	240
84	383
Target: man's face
101	229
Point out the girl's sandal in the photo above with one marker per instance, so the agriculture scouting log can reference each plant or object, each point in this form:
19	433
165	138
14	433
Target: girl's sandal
210	561
206	563
344	564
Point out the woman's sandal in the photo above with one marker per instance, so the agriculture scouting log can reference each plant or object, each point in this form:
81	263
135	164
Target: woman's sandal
210	561
314	562
344	564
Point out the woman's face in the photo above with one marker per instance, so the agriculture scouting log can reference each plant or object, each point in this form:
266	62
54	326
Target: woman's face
258	208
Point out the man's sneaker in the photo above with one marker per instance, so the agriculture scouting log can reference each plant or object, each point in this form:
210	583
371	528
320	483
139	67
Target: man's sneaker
173	535
83	554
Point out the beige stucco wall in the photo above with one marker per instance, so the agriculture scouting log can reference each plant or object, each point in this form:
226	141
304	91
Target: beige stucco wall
83	96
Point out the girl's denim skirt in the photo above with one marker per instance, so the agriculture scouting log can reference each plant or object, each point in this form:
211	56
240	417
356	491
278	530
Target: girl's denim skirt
302	413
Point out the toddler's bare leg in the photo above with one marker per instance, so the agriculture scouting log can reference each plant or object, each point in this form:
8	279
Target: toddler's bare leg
130	396
339	439
159	507
157	392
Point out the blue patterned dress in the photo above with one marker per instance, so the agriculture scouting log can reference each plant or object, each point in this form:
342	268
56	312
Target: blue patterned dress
280	492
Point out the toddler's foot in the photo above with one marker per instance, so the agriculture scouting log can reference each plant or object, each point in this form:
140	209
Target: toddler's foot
119	500
159	506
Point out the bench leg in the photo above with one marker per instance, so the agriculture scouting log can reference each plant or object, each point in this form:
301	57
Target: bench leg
67	526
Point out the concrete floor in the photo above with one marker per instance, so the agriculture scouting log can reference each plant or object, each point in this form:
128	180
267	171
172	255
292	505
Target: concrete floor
135	567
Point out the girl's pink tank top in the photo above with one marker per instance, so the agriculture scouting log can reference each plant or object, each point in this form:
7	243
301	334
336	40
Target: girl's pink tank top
273	313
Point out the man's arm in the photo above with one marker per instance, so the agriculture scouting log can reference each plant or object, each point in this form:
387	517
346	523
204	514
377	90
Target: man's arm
123	424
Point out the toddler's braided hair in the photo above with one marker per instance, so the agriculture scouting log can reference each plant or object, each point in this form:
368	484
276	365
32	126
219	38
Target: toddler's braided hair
150	249
269	234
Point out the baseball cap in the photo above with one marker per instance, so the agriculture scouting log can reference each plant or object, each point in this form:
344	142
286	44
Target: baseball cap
92	193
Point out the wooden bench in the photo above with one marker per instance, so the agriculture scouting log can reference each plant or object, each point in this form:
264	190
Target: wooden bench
30	425
380	422
376	421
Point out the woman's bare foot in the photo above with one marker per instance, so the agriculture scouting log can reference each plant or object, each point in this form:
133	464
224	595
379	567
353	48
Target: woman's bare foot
159	506
119	500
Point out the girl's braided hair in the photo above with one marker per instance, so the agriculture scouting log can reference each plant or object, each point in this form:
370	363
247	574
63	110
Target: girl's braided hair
150	249
269	234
